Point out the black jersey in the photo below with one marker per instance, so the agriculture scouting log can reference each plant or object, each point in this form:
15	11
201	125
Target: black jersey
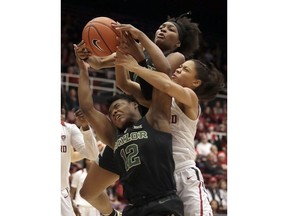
146	88
106	160
146	164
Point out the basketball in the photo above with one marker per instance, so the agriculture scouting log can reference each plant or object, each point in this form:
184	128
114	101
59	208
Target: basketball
99	36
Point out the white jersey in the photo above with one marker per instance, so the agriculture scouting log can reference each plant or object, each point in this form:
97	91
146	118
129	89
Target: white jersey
84	142
183	130
188	178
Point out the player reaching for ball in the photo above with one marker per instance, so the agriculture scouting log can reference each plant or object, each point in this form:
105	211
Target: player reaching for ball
192	82
167	38
147	179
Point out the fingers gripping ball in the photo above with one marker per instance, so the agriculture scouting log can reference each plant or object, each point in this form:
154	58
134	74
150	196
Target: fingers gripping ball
99	36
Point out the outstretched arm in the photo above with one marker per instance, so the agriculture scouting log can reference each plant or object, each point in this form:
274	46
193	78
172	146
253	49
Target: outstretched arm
128	86
95	62
161	81
100	123
130	32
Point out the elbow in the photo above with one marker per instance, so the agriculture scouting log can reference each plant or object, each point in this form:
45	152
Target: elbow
86	195
124	87
86	107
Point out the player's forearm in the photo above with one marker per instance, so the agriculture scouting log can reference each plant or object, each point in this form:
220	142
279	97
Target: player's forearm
156	54
122	79
102	62
84	92
91	147
159	80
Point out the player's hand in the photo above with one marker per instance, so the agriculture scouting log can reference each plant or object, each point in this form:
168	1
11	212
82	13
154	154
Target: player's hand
128	45
82	52
81	120
136	33
125	60
81	63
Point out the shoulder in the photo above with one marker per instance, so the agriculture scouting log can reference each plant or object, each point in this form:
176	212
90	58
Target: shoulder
175	59
177	55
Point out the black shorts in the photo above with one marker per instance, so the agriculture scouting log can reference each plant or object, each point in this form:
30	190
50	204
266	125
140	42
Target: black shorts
170	205
107	161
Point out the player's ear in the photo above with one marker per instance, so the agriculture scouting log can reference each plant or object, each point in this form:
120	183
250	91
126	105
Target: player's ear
178	44
196	83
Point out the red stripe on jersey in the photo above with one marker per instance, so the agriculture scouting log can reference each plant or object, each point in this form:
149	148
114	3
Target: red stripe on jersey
201	201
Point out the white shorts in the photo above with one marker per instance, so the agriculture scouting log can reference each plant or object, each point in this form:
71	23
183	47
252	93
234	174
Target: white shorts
192	191
66	204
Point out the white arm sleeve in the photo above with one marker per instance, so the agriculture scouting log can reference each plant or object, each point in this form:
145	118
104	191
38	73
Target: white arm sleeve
84	142
90	143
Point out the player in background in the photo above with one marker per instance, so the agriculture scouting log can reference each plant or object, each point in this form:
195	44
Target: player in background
83	207
84	142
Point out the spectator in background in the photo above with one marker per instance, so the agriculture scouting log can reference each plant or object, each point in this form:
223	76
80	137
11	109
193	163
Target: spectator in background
72	72
213	191
223	194
72	100
207	115
204	146
222	161
215	207
211	165
211	136
200	129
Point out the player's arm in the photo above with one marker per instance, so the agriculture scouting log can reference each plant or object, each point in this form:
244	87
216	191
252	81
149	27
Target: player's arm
75	156
128	86
100	123
94	61
83	143
155	53
162	82
159	111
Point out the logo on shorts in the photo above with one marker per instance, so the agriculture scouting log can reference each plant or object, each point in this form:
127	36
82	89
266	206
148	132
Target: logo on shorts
95	43
63	137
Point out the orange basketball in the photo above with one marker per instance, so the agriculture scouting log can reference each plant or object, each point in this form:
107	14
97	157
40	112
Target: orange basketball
99	36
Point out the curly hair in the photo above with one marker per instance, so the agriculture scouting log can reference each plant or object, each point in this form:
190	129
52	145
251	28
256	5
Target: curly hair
122	96
189	34
212	81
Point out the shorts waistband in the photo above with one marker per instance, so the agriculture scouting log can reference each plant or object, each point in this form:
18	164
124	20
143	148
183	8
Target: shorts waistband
143	200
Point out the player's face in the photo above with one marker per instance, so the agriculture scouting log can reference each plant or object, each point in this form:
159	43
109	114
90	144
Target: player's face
120	113
185	75
167	37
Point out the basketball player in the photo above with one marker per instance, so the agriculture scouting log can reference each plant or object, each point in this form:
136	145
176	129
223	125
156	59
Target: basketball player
197	83
147	179
191	82
83	141
167	38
